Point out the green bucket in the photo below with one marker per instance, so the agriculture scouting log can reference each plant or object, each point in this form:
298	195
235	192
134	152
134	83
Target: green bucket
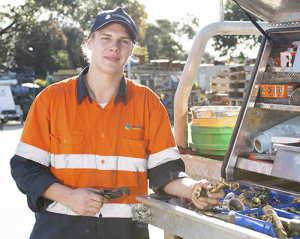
210	140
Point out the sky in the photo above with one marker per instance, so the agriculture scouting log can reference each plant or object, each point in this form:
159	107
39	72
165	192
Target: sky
207	11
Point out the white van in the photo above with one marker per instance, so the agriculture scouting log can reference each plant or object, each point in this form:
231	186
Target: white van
8	109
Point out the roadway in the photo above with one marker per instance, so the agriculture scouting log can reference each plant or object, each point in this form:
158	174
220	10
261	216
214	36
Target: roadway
16	218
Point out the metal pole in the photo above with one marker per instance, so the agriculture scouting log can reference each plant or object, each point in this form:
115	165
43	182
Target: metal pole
192	65
48	78
128	69
221	11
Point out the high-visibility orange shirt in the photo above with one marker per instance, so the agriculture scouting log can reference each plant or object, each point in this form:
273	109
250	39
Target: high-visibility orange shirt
87	146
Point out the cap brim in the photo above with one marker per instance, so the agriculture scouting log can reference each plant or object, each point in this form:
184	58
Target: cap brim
123	23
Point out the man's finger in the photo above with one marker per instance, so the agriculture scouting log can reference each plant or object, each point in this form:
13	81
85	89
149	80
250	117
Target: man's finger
99	198
217	195
95	204
200	204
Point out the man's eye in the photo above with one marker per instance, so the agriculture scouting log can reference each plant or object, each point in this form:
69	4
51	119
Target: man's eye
105	38
124	41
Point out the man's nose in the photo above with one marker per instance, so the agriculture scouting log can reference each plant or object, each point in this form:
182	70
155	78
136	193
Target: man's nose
115	46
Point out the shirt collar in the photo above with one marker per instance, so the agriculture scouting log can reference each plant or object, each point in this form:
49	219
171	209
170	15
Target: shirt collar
82	90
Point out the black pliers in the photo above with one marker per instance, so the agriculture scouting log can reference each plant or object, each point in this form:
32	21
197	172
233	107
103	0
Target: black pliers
116	193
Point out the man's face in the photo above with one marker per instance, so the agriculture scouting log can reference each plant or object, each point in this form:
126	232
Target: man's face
110	48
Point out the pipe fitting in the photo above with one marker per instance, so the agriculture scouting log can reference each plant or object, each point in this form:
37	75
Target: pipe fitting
236	187
245	199
255	203
233	204
217	188
276	200
278	227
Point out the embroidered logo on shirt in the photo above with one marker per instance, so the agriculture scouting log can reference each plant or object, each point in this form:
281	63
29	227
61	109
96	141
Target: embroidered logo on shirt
137	127
127	126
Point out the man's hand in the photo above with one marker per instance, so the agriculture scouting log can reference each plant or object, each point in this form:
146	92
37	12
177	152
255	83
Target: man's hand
205	203
184	187
85	201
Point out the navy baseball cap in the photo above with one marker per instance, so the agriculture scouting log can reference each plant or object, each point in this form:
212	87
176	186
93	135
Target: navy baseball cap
118	15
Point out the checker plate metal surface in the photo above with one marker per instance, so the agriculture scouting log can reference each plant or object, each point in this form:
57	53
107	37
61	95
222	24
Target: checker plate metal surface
202	168
254	166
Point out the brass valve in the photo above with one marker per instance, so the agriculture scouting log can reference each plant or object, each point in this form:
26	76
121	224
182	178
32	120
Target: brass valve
278	227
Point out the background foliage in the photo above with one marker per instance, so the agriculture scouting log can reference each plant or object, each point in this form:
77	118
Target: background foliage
47	34
227	44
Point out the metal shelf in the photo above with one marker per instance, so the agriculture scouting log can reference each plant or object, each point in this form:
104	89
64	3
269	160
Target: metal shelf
254	166
281	72
291	108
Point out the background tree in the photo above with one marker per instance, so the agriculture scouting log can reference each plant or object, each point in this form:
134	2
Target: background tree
160	37
207	58
44	48
74	17
227	44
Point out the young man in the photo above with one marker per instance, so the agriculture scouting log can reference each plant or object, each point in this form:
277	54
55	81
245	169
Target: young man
99	131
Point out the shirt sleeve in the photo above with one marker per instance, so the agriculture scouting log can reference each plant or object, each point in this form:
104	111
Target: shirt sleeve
164	161
29	165
165	173
32	180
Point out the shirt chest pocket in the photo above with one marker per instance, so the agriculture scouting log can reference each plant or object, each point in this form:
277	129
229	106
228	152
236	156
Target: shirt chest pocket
67	142
133	146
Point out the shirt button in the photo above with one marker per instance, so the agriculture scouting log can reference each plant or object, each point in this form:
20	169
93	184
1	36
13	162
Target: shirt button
65	140
102	135
140	145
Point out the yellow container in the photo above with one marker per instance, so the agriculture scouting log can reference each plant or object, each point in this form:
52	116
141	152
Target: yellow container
215	122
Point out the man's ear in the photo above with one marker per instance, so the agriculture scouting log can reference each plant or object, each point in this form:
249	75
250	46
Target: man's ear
89	43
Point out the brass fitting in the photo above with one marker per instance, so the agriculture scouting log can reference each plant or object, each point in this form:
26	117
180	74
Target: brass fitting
267	218
203	192
294	210
200	192
296	199
245	199
252	215
255	203
291	225
236	187
278	227
276	200
225	218
195	209
217	188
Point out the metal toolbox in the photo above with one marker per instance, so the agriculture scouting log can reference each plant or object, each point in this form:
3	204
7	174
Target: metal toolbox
276	169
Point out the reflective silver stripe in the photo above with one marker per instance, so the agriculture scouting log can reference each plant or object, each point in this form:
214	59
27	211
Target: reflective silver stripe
33	153
108	210
98	162
163	157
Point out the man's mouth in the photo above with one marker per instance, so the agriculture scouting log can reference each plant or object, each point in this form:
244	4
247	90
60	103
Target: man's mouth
112	58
